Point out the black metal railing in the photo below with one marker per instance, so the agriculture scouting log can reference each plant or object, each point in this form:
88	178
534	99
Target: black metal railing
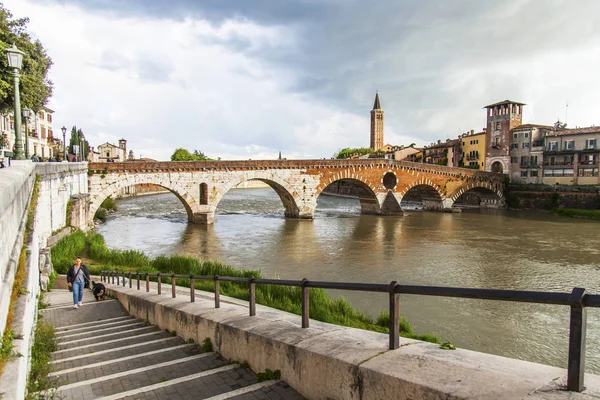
577	300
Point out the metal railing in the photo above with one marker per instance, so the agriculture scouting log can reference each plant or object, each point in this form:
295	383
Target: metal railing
577	300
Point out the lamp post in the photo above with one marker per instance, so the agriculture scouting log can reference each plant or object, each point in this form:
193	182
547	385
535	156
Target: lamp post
15	61
26	114
81	142
64	131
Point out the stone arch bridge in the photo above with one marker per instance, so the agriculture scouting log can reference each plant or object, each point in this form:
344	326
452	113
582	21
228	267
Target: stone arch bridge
382	186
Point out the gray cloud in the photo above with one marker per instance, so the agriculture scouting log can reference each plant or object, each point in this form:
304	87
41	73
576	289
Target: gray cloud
434	62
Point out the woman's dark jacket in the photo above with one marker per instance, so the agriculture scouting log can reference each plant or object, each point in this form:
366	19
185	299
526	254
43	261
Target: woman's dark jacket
86	274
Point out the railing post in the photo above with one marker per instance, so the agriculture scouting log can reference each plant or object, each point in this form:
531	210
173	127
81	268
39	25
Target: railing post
173	285
112	273
217	294
147	282
101	276
138	281
577	329
124	279
117	277
159	283
305	304
192	289
252	297
394	316
130	283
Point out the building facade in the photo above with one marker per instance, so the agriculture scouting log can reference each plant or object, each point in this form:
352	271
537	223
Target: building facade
377	125
108	152
37	130
527	153
571	156
502	117
473	149
446	153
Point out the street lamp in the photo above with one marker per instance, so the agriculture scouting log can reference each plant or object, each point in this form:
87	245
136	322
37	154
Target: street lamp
64	131
27	112
81	142
15	61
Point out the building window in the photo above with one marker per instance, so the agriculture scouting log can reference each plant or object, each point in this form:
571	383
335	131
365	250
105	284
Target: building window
590	144
514	146
515	135
497	125
588	172
569	145
108	154
525	145
497	141
526	135
533	173
514	160
49	117
553	146
524	174
534	160
42	115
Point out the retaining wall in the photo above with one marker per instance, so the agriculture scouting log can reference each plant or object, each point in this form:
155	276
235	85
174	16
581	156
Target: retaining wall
332	362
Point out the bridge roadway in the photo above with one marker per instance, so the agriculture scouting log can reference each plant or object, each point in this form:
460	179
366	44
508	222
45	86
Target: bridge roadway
381	184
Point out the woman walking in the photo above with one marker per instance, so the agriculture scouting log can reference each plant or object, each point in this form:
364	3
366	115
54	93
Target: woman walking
78	278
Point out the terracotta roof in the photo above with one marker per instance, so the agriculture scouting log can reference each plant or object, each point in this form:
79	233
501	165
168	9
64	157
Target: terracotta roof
504	102
377	104
561	132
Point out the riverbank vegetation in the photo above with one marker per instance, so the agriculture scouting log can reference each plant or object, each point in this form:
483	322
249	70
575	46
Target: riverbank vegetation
577	213
107	206
322	307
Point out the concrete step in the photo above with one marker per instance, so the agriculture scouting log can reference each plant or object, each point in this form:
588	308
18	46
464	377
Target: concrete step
76	349
132	331
105	354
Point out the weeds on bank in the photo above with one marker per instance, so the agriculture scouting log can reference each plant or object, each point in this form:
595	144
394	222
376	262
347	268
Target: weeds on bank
44	344
207	346
322	308
577	213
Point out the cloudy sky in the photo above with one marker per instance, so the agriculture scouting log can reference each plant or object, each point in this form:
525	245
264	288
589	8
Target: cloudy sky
241	79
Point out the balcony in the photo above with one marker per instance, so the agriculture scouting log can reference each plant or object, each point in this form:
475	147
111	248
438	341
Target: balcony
588	162
557	163
530	165
472	158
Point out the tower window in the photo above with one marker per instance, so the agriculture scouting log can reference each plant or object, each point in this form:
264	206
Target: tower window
497	125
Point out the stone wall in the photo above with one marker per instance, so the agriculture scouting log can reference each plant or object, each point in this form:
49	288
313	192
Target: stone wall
333	362
58	182
546	197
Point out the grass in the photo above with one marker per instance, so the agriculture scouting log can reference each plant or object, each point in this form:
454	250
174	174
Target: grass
577	213
44	343
207	346
322	307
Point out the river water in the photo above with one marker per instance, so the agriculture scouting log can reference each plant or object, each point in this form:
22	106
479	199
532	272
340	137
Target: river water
493	249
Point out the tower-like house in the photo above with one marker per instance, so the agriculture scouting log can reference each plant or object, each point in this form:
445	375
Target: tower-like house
501	118
377	125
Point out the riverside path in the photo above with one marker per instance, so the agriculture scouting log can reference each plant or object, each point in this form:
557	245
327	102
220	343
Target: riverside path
103	353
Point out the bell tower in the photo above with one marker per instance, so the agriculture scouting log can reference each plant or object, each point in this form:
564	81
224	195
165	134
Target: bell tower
501	118
377	125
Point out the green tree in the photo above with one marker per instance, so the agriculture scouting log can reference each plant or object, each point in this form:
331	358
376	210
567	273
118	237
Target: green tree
349	152
182	154
76	137
35	87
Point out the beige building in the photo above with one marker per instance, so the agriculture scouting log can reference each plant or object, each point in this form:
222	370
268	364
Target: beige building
38	129
527	152
108	152
473	147
571	156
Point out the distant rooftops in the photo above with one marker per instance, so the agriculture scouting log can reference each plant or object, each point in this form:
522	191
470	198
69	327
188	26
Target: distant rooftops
505	102
528	126
575	131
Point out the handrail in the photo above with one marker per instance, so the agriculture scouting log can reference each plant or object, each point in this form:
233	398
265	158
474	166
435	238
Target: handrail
577	300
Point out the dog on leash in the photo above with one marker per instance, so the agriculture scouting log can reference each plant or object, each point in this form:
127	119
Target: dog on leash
99	290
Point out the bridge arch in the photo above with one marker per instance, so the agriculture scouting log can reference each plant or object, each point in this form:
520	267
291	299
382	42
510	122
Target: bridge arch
288	196
370	203
113	189
480	194
422	191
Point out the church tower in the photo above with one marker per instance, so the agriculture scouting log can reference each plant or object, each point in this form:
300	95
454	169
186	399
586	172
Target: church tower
377	125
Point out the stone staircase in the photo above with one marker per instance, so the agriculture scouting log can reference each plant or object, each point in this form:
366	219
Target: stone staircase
103	353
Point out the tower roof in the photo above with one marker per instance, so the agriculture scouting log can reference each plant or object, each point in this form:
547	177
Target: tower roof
377	104
500	103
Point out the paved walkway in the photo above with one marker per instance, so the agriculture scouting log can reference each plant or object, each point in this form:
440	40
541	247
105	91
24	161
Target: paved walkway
103	353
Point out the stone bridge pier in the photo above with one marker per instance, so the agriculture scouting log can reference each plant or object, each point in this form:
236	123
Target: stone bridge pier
383	187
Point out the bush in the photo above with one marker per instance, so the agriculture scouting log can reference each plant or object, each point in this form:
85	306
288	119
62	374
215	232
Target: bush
64	252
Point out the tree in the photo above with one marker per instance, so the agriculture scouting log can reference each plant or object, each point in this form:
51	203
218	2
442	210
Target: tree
76	138
182	154
35	87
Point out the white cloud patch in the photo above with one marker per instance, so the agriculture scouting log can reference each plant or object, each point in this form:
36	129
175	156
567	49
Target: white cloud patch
240	81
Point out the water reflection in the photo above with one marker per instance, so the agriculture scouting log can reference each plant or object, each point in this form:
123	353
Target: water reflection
487	248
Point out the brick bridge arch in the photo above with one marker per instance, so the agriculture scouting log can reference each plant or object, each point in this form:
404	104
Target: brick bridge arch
383	183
